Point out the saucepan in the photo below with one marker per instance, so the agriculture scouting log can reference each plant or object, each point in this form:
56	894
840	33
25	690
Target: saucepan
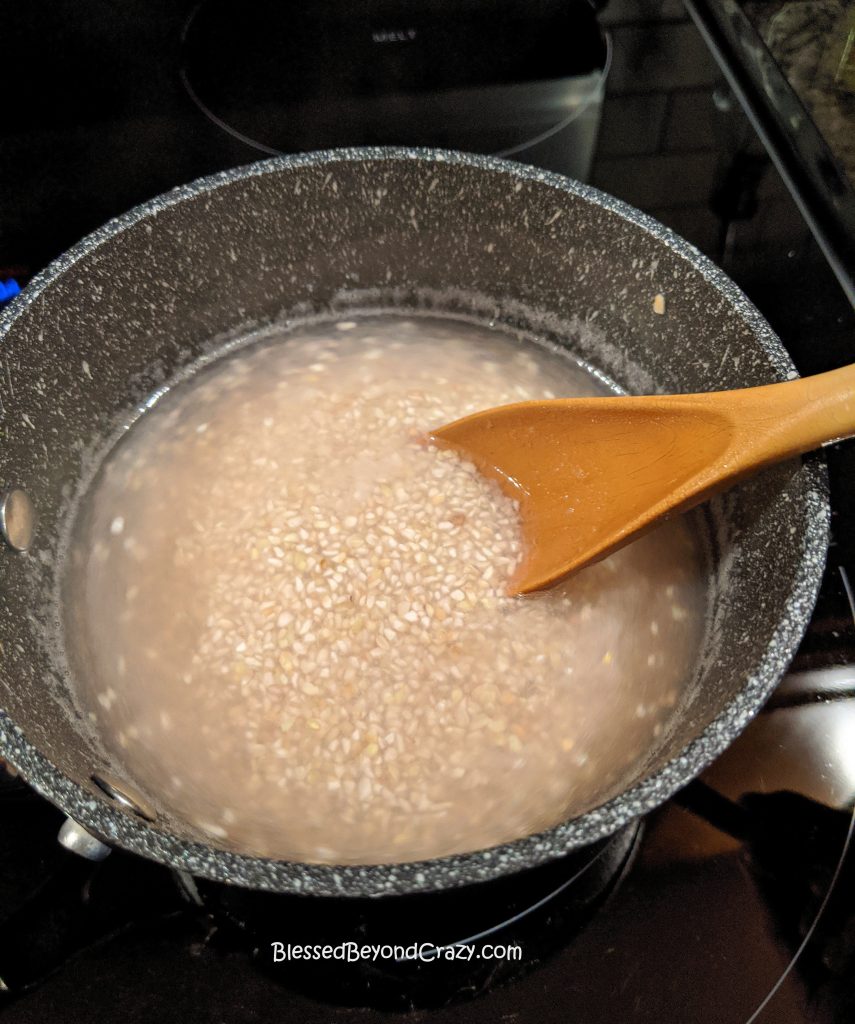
118	315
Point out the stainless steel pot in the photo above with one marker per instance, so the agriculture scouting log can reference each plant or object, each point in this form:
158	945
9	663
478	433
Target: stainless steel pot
131	305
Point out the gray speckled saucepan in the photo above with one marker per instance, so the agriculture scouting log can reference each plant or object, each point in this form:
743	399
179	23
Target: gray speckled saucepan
129	307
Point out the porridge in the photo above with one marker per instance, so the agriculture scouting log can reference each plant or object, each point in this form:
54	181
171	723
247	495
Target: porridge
289	613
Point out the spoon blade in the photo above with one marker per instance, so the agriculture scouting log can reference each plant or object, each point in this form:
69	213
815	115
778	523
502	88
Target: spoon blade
592	474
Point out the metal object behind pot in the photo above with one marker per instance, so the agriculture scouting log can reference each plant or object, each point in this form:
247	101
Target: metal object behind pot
134	303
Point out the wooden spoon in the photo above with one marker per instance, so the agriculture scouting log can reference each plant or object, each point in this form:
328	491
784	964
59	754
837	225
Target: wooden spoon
591	474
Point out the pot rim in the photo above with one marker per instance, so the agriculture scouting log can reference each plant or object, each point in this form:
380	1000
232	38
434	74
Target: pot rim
122	829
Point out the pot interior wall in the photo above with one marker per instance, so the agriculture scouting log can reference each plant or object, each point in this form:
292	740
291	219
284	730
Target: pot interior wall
131	308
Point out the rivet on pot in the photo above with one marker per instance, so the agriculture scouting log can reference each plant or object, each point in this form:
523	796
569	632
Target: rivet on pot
125	796
17	518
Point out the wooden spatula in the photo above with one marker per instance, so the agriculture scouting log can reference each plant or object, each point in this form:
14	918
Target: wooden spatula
591	474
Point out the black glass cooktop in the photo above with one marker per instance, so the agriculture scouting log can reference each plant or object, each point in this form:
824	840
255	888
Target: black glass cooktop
712	910
734	903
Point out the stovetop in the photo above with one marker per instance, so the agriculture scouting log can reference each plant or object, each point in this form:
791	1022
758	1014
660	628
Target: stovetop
717	911
733	903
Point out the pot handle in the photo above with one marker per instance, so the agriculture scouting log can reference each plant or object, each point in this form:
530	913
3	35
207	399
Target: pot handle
74	837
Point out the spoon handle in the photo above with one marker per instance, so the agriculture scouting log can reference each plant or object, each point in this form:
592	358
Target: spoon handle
783	420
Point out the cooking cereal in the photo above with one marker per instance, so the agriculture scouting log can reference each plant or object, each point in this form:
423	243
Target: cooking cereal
289	613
